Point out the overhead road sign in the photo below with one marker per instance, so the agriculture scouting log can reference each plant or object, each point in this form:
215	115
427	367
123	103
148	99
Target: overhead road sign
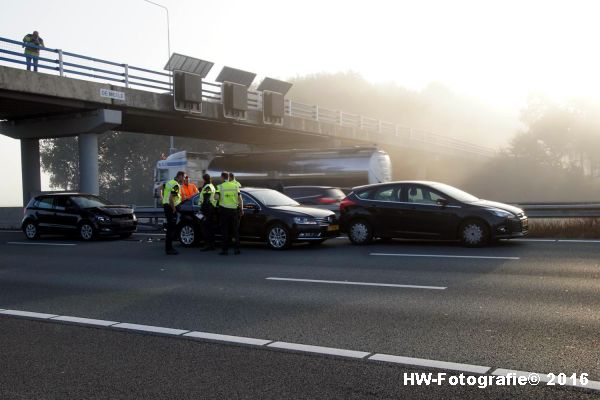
234	75
275	85
188	73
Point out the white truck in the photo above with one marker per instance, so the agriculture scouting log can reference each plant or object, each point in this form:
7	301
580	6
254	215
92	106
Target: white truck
194	165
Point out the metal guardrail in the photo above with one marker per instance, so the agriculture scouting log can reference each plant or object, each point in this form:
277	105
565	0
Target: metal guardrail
67	63
532	210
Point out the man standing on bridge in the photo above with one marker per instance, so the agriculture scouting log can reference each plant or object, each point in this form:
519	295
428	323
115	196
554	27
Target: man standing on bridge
32	53
170	201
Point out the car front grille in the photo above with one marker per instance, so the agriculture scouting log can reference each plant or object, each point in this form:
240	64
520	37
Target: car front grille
326	221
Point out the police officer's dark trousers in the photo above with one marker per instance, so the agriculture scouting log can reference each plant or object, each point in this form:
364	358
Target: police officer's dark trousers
208	231
230	222
171	218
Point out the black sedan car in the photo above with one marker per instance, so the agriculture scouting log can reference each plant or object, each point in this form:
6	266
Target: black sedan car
427	210
81	214
269	216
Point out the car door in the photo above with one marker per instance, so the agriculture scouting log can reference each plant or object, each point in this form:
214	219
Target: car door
424	216
44	212
385	211
66	213
252	224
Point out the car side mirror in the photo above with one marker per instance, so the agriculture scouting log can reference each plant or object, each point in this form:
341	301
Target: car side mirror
442	202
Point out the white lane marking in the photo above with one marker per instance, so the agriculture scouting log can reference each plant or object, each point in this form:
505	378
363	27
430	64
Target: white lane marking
9	231
422	362
319	349
43	244
532	240
28	314
228	338
272	278
85	321
578	241
594	385
443	256
150	328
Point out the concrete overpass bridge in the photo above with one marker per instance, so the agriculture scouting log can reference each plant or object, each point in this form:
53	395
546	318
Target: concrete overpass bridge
77	95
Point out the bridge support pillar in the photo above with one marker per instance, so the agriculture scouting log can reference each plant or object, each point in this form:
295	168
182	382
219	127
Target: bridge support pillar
30	168
88	163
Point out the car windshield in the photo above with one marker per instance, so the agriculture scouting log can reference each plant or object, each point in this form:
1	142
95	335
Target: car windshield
90	201
455	193
272	198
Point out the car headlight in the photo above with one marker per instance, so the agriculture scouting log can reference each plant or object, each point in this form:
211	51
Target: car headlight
501	213
102	218
305	221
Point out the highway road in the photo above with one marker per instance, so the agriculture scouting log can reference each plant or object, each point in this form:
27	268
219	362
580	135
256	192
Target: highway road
334	321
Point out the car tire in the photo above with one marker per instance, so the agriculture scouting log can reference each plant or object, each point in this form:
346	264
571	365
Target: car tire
278	237
31	230
474	233
360	232
86	231
187	234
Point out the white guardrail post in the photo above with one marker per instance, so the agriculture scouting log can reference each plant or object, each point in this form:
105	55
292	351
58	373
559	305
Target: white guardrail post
61	69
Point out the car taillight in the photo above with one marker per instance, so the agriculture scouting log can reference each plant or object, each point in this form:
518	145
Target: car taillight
327	200
346	203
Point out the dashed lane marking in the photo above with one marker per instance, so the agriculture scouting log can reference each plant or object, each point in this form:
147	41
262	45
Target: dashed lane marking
422	362
319	350
43	244
227	338
443	256
272	278
593	385
297	347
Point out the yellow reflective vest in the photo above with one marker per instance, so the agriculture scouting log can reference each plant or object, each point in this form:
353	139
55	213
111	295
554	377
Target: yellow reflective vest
172	187
228	195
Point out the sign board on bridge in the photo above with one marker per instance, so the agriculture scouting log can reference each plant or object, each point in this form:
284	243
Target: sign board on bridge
112	94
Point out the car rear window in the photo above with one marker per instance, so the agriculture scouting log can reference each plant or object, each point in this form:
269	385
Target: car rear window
364	195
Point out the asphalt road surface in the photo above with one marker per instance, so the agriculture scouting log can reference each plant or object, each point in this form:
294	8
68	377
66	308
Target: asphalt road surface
333	321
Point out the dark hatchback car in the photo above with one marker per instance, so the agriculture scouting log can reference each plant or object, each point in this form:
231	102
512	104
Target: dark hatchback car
427	210
84	215
326	197
269	216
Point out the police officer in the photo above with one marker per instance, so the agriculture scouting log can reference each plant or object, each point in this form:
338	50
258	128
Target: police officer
207	206
230	210
232	179
170	200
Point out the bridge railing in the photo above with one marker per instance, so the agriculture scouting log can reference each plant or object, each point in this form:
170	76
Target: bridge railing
66	63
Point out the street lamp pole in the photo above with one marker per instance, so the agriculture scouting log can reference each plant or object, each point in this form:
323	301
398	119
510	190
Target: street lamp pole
171	141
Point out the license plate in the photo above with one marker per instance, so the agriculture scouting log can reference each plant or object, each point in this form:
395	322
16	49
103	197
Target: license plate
333	228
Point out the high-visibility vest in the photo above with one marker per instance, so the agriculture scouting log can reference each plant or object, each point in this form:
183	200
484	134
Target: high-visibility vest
208	189
31	50
239	185
172	187
228	195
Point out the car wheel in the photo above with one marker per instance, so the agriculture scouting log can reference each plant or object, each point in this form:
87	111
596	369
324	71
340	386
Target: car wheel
316	242
278	237
187	235
31	230
360	232
87	231
474	233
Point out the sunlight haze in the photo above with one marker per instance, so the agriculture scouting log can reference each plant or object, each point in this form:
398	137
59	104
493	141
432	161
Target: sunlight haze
497	52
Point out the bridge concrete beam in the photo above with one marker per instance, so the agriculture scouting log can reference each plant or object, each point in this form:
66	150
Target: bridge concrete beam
30	168
96	121
88	163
